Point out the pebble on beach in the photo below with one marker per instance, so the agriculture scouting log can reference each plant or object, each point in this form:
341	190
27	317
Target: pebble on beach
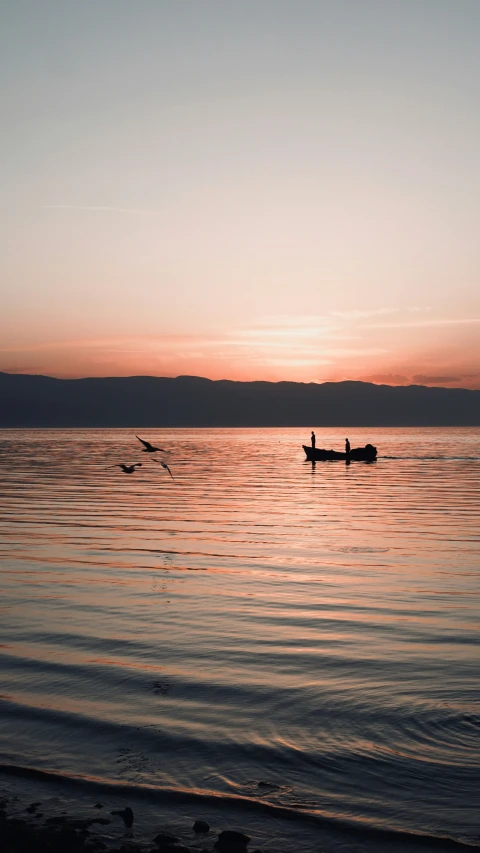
165	839
64	833
231	841
126	814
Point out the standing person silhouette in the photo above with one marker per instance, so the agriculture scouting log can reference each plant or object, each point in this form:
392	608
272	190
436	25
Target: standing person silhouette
347	447
313	440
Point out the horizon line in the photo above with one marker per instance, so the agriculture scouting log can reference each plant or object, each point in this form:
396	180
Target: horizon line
240	381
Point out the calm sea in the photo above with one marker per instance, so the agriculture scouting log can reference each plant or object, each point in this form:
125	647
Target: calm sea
288	649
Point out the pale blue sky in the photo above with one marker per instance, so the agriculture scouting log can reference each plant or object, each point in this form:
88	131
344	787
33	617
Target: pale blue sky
185	183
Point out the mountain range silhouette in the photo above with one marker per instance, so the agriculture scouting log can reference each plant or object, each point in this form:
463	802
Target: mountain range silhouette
192	401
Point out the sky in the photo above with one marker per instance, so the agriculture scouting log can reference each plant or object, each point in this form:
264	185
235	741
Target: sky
241	189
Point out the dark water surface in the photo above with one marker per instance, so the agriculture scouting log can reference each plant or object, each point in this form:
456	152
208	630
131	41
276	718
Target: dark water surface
296	643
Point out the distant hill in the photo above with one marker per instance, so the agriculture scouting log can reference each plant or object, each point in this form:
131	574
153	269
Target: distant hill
140	401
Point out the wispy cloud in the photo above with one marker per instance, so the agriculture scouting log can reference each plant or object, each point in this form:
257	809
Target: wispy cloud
360	314
268	336
284	321
274	347
99	208
333	321
418	324
426	379
386	378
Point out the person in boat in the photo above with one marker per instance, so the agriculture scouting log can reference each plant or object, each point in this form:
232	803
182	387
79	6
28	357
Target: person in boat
313	440
347	447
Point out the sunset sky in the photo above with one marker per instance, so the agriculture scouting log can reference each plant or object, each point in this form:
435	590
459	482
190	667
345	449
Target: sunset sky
241	189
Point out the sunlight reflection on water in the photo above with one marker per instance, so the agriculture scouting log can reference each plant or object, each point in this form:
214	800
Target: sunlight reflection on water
257	618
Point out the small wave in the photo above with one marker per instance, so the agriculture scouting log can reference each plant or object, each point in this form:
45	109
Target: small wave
433	458
354	829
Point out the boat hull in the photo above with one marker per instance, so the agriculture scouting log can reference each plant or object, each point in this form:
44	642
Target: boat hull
358	454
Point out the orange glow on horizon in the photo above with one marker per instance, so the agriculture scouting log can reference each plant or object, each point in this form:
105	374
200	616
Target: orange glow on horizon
384	347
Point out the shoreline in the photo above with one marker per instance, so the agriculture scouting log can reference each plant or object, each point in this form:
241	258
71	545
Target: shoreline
44	814
45	827
50	817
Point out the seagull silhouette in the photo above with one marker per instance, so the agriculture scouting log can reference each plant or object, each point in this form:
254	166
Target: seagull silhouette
128	469
164	465
149	448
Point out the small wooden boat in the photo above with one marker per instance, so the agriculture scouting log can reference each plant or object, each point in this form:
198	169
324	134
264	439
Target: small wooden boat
357	454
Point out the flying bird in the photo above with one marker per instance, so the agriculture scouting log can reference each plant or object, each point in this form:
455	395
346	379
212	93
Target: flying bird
149	448
164	465
128	469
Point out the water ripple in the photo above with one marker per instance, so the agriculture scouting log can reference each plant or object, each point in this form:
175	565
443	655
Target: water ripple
259	630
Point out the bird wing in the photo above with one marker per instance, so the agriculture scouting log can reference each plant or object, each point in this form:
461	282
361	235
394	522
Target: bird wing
146	443
164	464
